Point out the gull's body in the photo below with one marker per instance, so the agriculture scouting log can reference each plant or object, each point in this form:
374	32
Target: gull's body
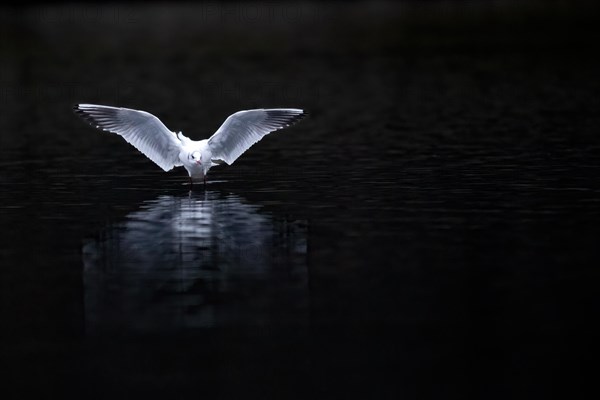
196	170
172	149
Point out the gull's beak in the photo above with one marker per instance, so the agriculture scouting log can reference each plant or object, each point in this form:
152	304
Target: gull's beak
198	162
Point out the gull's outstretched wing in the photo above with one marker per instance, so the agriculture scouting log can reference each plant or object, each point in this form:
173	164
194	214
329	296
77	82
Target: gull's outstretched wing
143	130
244	128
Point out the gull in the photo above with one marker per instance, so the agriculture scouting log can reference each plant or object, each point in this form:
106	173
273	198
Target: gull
170	149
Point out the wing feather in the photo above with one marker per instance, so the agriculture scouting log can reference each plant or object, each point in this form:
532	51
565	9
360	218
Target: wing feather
244	128
141	129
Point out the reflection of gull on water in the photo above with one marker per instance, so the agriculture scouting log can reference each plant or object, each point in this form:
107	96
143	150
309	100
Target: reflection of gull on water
199	261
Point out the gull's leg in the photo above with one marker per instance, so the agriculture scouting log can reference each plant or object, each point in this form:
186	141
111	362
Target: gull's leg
204	181
191	182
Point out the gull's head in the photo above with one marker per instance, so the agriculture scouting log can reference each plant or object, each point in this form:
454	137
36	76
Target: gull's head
196	156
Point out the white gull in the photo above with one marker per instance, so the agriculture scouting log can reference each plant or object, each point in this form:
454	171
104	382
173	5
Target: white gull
172	149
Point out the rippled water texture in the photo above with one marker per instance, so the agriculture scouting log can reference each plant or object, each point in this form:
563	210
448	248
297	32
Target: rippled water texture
430	230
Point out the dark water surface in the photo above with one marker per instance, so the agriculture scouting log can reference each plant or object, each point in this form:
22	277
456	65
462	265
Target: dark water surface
431	230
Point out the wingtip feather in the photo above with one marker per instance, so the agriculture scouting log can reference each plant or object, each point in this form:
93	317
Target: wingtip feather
287	116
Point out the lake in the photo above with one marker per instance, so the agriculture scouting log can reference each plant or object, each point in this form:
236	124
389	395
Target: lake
429	230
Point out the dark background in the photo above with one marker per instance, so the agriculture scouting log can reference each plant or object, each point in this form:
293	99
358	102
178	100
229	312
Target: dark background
430	231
